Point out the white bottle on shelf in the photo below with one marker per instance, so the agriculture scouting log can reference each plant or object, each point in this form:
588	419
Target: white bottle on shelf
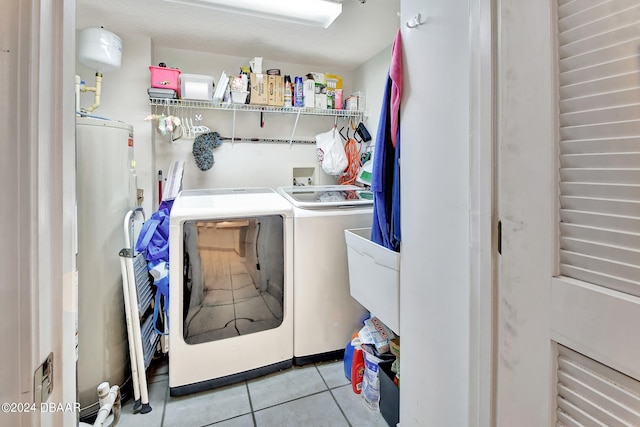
309	93
288	93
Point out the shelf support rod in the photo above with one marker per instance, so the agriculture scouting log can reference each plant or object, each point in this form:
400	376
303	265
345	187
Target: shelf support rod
295	125
233	129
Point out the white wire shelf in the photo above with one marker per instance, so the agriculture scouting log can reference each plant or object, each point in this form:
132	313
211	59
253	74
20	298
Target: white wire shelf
207	105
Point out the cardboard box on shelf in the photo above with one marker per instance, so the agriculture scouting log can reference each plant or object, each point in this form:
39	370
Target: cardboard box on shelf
356	101
276	90
394	347
377	333
259	93
321	100
334	77
318	78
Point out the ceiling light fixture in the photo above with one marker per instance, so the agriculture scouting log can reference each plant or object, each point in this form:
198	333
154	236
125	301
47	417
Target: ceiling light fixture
319	13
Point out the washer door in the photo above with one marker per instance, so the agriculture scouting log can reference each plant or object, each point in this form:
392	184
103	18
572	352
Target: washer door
236	277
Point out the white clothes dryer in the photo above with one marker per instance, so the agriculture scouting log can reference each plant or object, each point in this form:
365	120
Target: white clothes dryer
325	315
231	294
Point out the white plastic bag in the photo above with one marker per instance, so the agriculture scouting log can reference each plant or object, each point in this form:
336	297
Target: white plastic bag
371	379
331	152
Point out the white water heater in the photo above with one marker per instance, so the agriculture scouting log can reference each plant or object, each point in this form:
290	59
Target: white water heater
104	152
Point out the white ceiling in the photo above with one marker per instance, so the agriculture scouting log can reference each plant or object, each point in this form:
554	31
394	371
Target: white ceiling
358	34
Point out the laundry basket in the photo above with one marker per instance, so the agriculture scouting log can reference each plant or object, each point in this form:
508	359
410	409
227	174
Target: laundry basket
374	276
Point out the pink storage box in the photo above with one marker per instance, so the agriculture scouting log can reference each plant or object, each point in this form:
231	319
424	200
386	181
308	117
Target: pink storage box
165	78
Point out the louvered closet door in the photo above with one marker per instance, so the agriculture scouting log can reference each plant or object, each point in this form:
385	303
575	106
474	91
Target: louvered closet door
568	197
599	65
595	305
592	394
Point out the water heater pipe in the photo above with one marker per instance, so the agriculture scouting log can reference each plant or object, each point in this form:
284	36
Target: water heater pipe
97	89
109	402
110	406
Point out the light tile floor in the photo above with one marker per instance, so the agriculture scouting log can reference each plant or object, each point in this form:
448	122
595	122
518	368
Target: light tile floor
310	396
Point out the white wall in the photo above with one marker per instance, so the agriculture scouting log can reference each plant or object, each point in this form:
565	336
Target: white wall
371	78
435	255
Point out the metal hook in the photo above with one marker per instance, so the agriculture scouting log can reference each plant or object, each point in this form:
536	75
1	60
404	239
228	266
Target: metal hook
416	21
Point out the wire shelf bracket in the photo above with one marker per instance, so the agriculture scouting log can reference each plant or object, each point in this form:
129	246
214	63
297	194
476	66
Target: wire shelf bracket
183	104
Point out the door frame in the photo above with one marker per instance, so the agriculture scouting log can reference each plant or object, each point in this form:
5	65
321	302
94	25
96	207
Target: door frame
483	214
39	250
20	331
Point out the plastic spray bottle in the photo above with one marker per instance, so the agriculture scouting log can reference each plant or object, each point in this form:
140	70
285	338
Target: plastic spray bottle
299	92
288	93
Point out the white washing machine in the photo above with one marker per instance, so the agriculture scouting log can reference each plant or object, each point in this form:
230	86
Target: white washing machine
325	315
231	294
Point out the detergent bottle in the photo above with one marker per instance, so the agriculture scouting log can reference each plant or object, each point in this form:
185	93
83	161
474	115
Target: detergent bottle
357	370
354	363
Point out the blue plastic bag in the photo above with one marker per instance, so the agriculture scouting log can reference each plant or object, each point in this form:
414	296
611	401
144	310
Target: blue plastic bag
154	236
153	241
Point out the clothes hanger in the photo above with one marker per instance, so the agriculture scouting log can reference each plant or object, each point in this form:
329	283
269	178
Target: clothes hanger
343	137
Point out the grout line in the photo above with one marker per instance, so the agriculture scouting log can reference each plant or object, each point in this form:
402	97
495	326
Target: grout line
333	396
236	416
320	373
164	405
225	420
253	415
340	407
292	400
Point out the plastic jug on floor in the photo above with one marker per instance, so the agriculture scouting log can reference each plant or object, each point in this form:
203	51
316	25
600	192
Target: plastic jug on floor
348	356
354	363
357	371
